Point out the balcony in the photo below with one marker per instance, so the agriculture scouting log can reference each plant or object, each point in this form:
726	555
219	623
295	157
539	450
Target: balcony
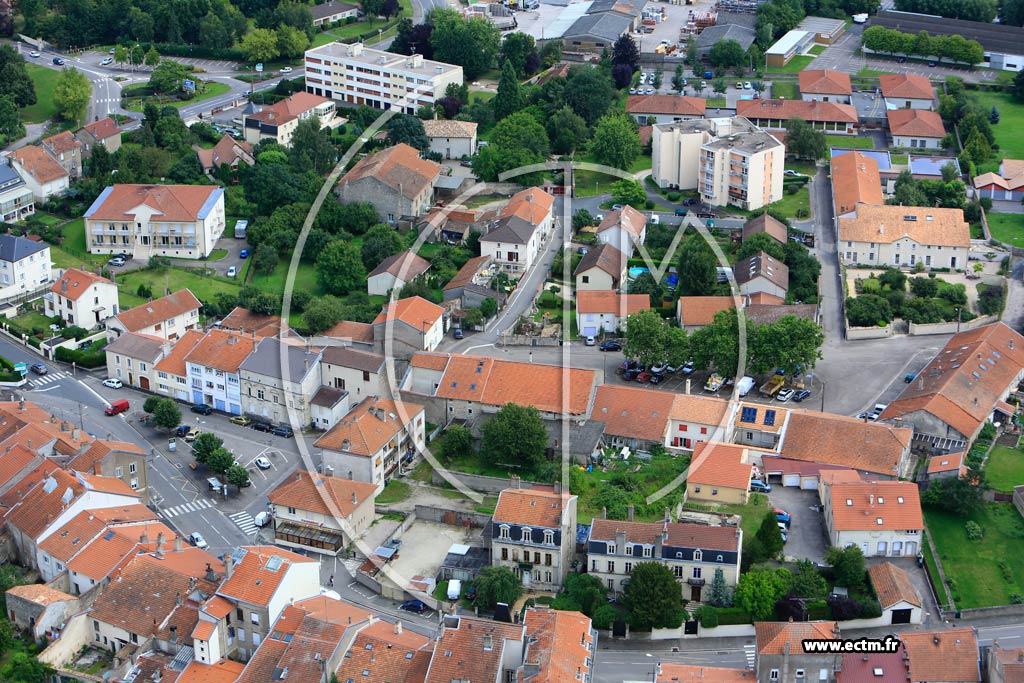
695	582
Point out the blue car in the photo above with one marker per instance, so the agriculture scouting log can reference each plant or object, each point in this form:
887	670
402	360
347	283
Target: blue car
758	486
243	254
783	516
416	606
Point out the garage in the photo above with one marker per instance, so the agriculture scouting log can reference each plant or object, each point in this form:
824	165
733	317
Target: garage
791	480
590	331
809	483
901	616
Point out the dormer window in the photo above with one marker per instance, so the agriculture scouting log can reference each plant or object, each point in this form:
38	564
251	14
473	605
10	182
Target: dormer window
648	550
549	537
527	535
503	533
698	556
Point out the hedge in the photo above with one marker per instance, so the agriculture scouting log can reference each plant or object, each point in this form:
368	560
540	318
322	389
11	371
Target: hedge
733	616
224	53
83	359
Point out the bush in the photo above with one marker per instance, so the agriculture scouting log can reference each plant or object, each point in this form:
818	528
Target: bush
1016	599
674	196
844	608
732	616
708	616
986	203
990	300
869	607
649	204
792	189
974	530
819	611
83	359
1004	569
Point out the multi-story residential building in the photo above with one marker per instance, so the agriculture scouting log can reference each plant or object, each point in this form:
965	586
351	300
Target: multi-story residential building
606	311
180	221
321	514
172	375
559	644
602	268
117	459
825	85
168	317
66	150
43	174
385	651
882	518
408	326
906	91
395	272
16	200
720	473
949	655
1005	665
730	161
260	581
213	370
81	298
356	74
633	417
515	237
279	121
396	180
829	117
104	132
451	139
692	551
624	229
475	649
695	419
916	128
372	441
780	654
278	381
904	236
360	373
533	533
24	266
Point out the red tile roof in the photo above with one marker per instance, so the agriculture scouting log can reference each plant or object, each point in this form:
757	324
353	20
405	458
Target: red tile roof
289	108
828	438
768	224
906	86
855	180
533	205
89	460
614	303
701	310
922	123
687	673
825	82
773	636
386	653
224	671
312	492
174	362
174	203
676	534
244	320
370	425
14	460
876	506
74	283
227	151
472	651
62	142
719	464
362	332
103	129
159	310
39	593
44	502
560	643
404	265
950	462
947	655
892	585
540	506
399	167
797	109
878	667
633	412
252	581
666	105
38	164
627	218
416	312
221	350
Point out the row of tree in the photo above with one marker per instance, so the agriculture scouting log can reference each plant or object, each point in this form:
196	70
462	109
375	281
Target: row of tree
955	48
969	10
776	17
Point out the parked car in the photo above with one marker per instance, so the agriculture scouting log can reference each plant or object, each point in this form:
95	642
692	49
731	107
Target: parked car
192	435
643	377
58	61
262	426
244	254
747	85
286	70
739	85
681	212
182	430
783	516
758	486
658	369
610	345
784	395
116	261
283	430
415	606
39	369
232	271
241	420
909	377
801	395
792	173
198	540
262	462
631	374
657	379
589	340
113	383
688	368
933	63
202	409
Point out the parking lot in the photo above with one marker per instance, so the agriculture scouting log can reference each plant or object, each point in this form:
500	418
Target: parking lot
808	539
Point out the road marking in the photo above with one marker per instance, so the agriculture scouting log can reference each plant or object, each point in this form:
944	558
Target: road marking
245	522
184	508
50	377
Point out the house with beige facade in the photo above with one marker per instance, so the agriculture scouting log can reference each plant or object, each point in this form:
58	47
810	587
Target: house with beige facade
602	268
168	317
279	121
81	298
904	236
451	139
533	533
321	514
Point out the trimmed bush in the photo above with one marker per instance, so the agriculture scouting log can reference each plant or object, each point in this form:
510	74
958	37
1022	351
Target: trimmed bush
83	359
733	616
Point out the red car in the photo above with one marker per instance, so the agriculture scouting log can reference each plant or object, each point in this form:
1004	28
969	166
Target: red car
643	377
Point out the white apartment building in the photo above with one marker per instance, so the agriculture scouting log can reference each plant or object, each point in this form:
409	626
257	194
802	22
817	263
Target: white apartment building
16	200
180	221
24	265
729	160
272	387
81	298
213	370
357	74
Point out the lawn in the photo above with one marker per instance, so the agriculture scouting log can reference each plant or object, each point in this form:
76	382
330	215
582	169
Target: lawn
74	235
818	49
589	183
899	159
870	73
174	279
32	319
785	89
44	81
1007	227
481	96
753	513
1011	121
212	89
305	278
789	203
849	141
395	492
1005	468
973	567
795	66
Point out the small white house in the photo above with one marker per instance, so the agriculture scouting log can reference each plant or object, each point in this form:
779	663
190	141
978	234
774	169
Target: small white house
24	265
451	139
43	174
900	601
395	272
623	229
81	298
606	311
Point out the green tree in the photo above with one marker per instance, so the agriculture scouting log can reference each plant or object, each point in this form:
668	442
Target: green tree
457	442
260	45
759	242
698	268
629	192
515	437
166	415
586	591
265	259
520	50
311	147
11	127
616	142
403	128
769	535
677	346
204	445
72	94
581	219
847	566
509	99
758	591
625	51
677	79
792	344
521	131
23	667
220	461
550	53
237	475
322	312
339	268
645	337
721	595
489	307
804	141
152	57
15	81
120	54
808	582
692	53
719	85
1012	12
379	242
653	598
589	92
962	496
646	284
471	43
167	77
150	405
727	54
291	42
497	584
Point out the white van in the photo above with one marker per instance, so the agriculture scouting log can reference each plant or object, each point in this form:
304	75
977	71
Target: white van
454	589
745	385
262	519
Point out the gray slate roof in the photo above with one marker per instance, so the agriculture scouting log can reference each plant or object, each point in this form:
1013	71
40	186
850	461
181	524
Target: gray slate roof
713	34
137	346
510	229
329	9
13	249
327	397
348	357
266	360
605	26
1001	38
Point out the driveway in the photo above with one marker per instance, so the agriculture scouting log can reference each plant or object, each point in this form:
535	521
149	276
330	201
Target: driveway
1013	311
808	539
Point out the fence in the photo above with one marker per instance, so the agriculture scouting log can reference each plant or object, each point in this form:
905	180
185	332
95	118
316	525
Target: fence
950	327
452	517
526	340
874	332
479	482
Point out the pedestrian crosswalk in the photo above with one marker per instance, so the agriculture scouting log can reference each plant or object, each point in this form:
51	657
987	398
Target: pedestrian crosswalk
194	506
750	652
245	522
50	377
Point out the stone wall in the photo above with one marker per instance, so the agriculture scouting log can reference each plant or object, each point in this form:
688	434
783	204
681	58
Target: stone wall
868	332
951	327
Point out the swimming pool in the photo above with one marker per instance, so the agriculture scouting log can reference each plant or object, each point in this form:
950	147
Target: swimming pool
637	271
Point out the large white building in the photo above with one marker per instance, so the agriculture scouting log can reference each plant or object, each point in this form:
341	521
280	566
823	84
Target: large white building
180	221
16	200
882	518
24	265
730	161
357	74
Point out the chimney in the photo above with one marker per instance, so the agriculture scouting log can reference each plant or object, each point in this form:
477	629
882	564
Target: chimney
354	499
668	518
177	543
558	488
687	387
144	538
211	576
398	628
229	567
516	482
620	541
604	513
21	404
177	599
629	512
871	499
160	542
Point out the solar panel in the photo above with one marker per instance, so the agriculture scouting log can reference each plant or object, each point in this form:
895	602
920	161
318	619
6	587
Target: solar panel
769	418
748	415
107	536
238	555
274	563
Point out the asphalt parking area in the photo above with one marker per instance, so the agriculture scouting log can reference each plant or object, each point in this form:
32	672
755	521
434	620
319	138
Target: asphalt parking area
808	539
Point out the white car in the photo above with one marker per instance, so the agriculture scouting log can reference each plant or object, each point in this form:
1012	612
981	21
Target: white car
232	271
286	70
107	60
33	54
747	86
262	463
784	395
792	174
198	540
113	383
